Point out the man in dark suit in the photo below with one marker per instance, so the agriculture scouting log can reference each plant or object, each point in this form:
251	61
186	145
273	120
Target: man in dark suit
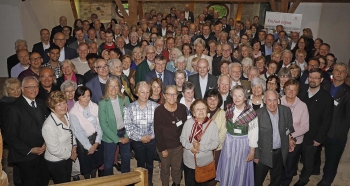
46	83
275	141
320	106
335	141
313	63
22	132
97	84
93	18
60	41
133	41
207	17
256	21
226	56
44	44
206	35
225	27
159	71
59	28
238	28
224	87
79	35
188	14
202	81
13	60
120	43
267	48
146	65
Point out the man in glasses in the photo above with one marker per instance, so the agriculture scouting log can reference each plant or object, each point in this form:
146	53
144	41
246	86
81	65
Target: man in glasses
159	71
35	61
98	83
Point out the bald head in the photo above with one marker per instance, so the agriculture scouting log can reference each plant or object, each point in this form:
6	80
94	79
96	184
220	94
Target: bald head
63	21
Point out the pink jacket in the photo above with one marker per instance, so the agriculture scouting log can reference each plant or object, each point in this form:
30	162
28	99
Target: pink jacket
300	118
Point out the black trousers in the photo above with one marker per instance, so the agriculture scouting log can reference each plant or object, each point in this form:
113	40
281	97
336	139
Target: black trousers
261	170
190	177
309	152
60	171
317	162
334	149
34	172
291	165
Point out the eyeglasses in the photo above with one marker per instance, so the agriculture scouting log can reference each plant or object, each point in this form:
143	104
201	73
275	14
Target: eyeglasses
102	67
35	59
31	87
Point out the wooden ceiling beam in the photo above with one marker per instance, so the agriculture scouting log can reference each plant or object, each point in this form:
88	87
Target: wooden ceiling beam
273	5
294	6
122	9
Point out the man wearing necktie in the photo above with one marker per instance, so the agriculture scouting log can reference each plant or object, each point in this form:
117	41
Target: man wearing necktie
22	132
159	71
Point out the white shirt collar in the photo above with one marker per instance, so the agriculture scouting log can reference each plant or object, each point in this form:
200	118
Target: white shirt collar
30	101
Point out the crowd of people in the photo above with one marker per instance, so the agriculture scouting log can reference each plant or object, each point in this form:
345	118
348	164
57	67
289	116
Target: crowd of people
181	90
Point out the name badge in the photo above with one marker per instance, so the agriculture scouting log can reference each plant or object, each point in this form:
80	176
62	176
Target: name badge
179	123
90	118
287	132
336	103
189	117
122	90
143	122
237	131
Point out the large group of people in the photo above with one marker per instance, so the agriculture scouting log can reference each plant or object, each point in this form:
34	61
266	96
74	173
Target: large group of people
181	90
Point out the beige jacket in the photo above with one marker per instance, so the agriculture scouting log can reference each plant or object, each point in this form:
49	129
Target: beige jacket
220	121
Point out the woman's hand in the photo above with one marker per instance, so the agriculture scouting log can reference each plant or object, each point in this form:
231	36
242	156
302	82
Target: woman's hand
74	155
196	145
194	151
165	153
250	156
146	139
124	140
93	148
132	81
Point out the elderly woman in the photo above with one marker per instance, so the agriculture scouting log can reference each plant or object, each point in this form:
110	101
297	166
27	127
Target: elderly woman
180	77
199	137
168	122
180	64
68	87
11	91
276	56
156	91
240	143
214	100
295	71
116	69
127	71
236	41
174	54
137	57
139	124
284	75
187	96
60	142
246	64
86	128
199	46
300	116
69	72
110	114
258	86
300	55
256	48
271	70
273	83
260	63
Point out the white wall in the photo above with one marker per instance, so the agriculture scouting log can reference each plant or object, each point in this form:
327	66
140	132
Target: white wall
311	16
11	30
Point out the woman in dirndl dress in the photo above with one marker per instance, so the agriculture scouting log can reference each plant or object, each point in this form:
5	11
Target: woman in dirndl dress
235	165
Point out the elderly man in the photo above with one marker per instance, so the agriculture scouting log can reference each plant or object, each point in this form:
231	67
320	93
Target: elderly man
47	83
324	49
206	35
117	30
92	37
23	57
275	140
35	61
320	105
235	71
22	132
146	65
134	41
54	64
253	72
45	42
81	63
159	71
125	34
226	56
294	40
266	49
224	87
93	17
97	26
203	81
65	52
98	83
287	56
188	14
13	60
336	139
120	43
59	28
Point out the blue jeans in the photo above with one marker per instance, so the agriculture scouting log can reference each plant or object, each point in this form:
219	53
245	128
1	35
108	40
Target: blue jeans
144	153
109	154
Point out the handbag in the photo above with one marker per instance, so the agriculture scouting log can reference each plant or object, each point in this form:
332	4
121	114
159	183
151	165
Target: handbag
92	140
207	172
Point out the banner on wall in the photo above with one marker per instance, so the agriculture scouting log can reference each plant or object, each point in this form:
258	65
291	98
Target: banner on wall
290	22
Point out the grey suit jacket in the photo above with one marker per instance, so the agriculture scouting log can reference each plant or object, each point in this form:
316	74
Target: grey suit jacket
264	150
212	83
95	87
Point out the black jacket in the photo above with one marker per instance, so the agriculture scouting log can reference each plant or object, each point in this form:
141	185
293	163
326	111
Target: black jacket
39	48
68	52
80	80
341	113
320	108
23	131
